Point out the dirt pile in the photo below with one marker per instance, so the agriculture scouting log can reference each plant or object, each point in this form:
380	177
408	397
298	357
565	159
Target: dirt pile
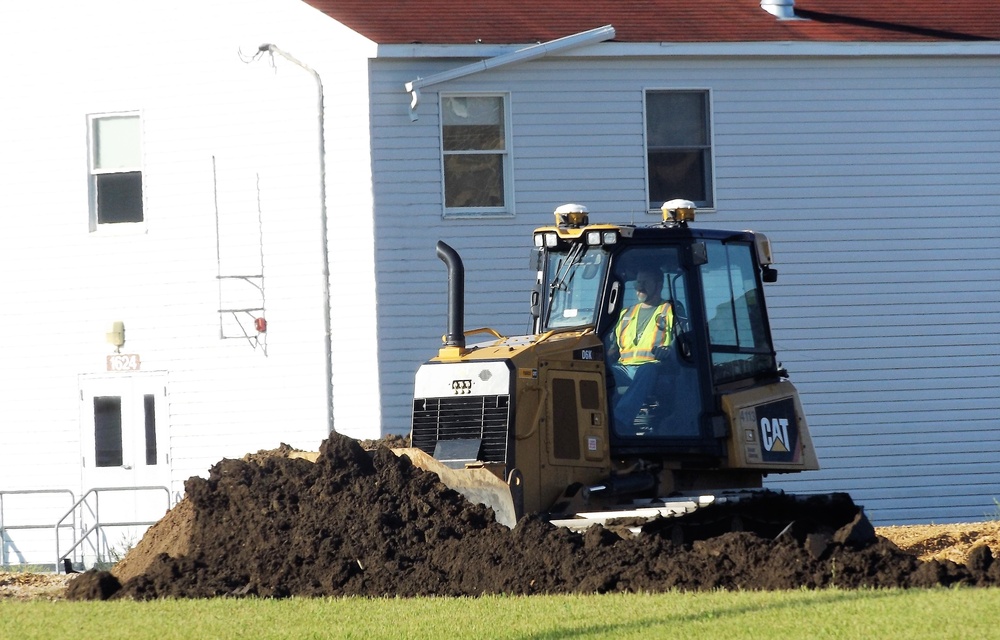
32	586
372	524
956	542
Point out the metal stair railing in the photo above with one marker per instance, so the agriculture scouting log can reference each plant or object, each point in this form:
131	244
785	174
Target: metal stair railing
99	526
5	527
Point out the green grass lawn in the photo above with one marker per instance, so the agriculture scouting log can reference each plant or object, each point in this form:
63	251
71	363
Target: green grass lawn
785	615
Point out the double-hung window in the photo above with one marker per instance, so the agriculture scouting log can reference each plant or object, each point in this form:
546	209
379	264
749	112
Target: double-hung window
115	169
679	147
475	146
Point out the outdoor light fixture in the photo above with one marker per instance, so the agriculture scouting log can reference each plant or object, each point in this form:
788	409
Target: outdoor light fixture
117	334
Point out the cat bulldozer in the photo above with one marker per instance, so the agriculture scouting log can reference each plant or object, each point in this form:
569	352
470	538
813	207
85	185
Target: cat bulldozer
539	424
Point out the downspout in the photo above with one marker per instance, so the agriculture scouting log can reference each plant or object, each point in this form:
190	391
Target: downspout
599	34
327	344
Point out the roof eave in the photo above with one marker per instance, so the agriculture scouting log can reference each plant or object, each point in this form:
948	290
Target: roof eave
703	49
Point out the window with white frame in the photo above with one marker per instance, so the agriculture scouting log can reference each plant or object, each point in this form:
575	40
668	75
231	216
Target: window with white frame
115	169
679	147
475	144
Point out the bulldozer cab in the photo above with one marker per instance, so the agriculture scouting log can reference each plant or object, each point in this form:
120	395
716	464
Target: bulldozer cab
693	296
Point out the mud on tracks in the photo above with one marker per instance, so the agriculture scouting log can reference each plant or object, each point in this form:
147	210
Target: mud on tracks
371	524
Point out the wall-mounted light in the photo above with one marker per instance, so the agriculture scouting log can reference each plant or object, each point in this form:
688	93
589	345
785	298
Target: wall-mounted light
117	334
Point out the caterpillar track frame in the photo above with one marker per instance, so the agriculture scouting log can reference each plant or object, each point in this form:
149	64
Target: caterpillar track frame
535	424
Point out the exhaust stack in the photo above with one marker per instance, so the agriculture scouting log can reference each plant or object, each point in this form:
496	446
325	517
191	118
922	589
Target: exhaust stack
454	340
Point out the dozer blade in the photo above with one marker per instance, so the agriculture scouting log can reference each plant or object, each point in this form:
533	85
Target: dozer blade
475	483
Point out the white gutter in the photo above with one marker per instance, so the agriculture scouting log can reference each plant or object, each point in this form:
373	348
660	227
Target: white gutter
599	34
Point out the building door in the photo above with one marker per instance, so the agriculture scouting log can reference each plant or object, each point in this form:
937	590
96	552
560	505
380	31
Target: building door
126	460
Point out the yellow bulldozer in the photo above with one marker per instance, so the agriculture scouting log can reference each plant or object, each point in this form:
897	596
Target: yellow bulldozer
551	423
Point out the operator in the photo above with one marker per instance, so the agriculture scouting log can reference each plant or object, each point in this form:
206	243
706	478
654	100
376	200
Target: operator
641	340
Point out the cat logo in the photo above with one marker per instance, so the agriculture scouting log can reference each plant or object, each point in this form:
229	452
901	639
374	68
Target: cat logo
461	387
774	434
775	423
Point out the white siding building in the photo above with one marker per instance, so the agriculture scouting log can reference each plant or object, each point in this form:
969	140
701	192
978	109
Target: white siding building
870	160
873	169
161	172
866	147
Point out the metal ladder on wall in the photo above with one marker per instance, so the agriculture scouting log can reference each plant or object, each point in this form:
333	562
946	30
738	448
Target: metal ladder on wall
242	306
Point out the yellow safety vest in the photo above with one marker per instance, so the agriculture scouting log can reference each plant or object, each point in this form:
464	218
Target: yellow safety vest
656	333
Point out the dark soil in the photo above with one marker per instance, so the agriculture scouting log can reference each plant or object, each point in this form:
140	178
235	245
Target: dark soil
371	524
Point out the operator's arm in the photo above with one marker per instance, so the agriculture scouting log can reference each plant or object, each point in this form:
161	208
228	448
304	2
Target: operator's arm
612	349
612	352
662	351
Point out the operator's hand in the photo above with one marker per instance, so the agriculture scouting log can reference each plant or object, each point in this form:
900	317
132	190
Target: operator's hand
661	353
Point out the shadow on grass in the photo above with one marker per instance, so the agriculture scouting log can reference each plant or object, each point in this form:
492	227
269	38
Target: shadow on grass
648	623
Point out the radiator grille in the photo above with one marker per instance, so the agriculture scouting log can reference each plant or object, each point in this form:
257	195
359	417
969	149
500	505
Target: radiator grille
486	417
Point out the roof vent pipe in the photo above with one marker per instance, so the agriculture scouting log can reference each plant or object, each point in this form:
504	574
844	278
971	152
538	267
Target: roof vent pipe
781	9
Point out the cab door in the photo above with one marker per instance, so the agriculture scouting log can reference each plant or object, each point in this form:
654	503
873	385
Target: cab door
125	455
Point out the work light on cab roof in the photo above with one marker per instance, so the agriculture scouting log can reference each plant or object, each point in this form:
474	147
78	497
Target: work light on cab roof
678	211
573	224
571	215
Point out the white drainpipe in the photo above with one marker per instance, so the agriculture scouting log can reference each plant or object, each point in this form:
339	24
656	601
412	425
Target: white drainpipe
323	222
599	34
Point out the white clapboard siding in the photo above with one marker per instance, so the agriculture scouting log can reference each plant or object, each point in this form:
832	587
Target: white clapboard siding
227	139
878	206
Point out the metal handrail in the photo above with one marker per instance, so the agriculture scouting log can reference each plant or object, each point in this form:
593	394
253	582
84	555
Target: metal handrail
4	527
96	513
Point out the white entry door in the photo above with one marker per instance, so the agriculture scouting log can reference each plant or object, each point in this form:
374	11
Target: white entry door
126	459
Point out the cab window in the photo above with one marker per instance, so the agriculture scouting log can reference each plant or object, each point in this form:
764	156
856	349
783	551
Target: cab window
574	279
653	381
738	337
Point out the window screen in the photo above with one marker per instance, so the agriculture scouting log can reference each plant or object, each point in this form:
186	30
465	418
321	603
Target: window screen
474	147
678	147
116	169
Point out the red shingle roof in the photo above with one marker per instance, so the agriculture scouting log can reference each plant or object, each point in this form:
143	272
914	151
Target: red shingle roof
529	21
